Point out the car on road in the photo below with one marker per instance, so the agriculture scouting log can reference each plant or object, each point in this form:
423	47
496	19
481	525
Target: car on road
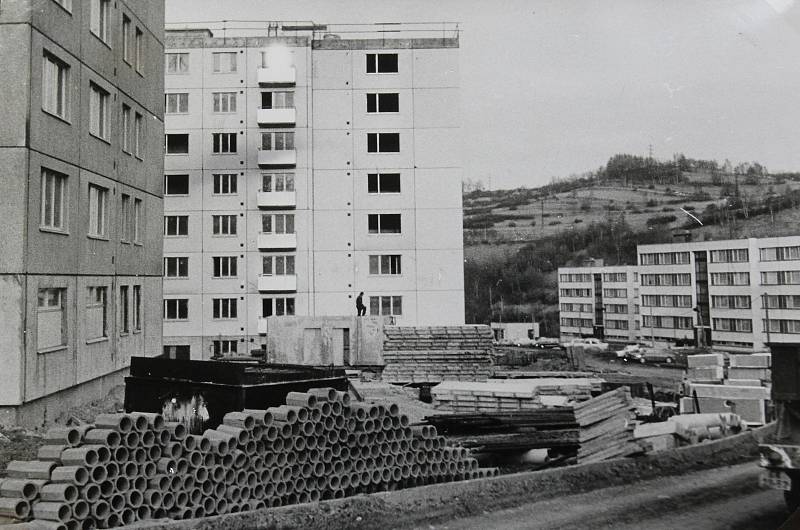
590	343
546	343
630	350
643	354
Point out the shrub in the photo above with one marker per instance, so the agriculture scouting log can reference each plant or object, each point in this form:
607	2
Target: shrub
553	223
512	224
660	220
576	221
667	209
651	202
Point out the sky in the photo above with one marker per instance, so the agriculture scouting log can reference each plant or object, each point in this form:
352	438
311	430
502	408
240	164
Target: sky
555	88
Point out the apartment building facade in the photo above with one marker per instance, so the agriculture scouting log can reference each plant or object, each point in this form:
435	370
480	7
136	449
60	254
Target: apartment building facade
734	294
80	151
300	170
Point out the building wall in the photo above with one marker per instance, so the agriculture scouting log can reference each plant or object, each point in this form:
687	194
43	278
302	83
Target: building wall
331	199
34	258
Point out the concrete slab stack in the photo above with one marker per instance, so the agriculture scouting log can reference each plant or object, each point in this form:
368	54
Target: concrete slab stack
130	467
504	395
706	368
606	430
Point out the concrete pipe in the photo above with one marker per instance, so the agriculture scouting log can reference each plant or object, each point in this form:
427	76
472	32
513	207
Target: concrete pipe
52	453
319	429
166	466
144	512
177	430
195	496
127	516
256	432
239	458
233	494
300	399
250	448
197	512
375	476
69	436
375	450
26	489
117	502
99	509
119	422
167	500
324	394
71	474
256	463
227	460
120	454
209	505
275	474
217	473
322	410
241	420
139	483
113	520
131	440
172	450
395	422
280	459
284	431
147	438
154	452
195	459
219	489
252	478
306	428
98	474
134	498
262	416
107	437
221	506
286	474
184	483
386	423
241	478
343	398
298	443
393	409
307	470
339	421
242	435
189	442
199	474
52	511
245	493
357	413
112	470
155	420
181	499
275	502
218	445
30	469
296	428
15	507
65	493
405	472
159	482
257	491
389	460
209	459
140	421
230	476
106	488
269	433
206	488
379	437
336	409
80	510
396	474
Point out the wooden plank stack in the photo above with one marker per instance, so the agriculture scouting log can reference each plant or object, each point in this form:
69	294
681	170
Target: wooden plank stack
503	395
435	354
605	426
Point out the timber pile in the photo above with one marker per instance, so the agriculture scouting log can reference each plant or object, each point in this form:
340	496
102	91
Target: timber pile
503	395
509	431
130	467
605	426
435	354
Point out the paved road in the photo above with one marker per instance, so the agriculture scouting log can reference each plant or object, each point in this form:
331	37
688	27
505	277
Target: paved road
721	498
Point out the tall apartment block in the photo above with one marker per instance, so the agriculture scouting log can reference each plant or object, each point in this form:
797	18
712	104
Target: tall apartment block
736	294
80	154
302	167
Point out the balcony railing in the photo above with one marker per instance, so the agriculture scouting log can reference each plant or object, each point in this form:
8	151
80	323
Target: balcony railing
280	283
277	158
277	75
273	117
277	199
269	241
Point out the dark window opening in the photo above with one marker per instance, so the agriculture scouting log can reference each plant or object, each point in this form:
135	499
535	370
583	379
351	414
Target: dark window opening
177	144
176	184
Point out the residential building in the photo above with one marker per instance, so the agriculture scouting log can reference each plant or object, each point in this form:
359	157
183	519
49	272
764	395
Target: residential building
736	294
80	155
302	168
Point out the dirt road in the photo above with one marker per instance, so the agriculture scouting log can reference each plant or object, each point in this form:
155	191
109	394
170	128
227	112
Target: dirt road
719	498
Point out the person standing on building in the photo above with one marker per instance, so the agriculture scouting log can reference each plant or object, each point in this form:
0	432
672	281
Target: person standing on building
360	307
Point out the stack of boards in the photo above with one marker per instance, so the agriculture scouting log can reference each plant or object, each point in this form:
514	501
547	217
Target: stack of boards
505	395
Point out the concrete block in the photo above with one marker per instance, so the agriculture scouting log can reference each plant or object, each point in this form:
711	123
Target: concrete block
754	360
706	373
751	411
730	391
705	360
762	374
742	382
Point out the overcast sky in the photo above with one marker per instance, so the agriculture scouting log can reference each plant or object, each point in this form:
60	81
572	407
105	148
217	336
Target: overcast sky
550	88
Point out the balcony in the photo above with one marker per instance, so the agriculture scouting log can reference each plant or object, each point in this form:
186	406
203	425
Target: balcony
271	241
277	75
276	117
277	199
277	158
280	283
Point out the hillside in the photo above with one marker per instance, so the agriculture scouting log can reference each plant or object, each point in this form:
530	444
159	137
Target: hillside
514	240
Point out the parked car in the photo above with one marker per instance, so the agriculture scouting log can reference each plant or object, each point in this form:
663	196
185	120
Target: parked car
643	354
546	343
630	350
590	344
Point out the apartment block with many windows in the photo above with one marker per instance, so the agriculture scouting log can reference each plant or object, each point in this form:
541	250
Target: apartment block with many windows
82	166
302	168
735	294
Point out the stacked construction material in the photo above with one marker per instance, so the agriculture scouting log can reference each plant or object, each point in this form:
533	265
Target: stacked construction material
606	430
129	467
434	354
749	402
706	368
503	395
685	429
509	431
750	369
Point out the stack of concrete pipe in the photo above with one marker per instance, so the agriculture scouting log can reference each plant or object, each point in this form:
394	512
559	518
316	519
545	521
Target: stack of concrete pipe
130	467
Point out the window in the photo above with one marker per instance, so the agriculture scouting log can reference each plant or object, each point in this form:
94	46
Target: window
125	218
741	325
277	265
383	102
224	307
730	278
665	258
51	325
66	4
666	300
277	100
124	310
224	347
176	103
781	325
127	49
138	136
780	278
383	182
277	307
224	62
383	142
385	305
279	223
730	302
385	264
137	220
224	142
615	293
98	21
176	309
223	225
575	293
730	255
615	277
98	210
126	125
277	141
176	184
177	63
666	279
55	95
138	48
781	301
568	278
224	101
176	267
381	63
383	223
666	322
96	312
224	266
137	308
54	200
577	322
98	111
616	324
618	309
176	225
277	182
779	253
225	184
177	144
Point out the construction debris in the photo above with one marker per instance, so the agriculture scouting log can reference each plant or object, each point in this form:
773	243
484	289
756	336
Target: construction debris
685	429
130	467
606	430
499	395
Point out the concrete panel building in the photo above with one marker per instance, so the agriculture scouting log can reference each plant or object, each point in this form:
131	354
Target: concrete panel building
734	294
80	155
301	168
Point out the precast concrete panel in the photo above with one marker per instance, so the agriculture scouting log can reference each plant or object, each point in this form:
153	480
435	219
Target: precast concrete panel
193	117
333	230
333	190
404	118
438	229
404	240
14	210
12	331
405	158
437	270
332	109
441	308
335	149
15	41
334	271
403	78
437	148
332	69
438	188
436	107
436	68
